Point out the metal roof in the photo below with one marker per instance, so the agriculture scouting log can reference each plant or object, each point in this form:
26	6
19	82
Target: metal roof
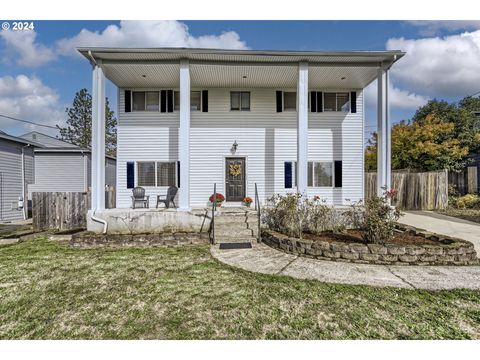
5	136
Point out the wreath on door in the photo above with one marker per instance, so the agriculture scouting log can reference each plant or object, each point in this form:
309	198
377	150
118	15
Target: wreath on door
235	170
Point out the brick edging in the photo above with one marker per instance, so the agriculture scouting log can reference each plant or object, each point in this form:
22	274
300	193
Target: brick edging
449	251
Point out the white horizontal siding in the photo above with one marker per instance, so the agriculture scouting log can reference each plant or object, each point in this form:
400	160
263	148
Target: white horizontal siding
266	138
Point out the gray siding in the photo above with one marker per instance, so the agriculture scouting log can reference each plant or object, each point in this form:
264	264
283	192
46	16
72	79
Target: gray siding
265	138
11	178
58	172
110	172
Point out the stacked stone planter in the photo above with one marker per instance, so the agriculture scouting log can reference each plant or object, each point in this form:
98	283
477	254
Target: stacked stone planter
449	251
90	239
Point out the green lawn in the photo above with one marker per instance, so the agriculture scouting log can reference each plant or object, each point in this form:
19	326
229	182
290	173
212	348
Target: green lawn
51	291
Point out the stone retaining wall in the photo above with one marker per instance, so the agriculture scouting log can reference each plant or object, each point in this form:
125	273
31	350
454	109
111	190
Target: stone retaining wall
449	251
90	239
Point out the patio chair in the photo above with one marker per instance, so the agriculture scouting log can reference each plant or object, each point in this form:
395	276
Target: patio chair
138	197
169	198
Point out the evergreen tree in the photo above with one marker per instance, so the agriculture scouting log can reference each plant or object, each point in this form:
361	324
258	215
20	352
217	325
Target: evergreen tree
79	123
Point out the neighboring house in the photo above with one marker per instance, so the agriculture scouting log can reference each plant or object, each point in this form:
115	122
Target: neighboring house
16	172
285	121
64	167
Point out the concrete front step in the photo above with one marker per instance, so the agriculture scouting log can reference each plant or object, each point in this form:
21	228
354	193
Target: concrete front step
234	239
233	232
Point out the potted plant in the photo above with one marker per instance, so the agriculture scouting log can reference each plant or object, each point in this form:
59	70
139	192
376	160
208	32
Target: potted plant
247	201
220	199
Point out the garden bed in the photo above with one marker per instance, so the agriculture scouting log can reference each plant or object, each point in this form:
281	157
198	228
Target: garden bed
409	247
90	239
464	214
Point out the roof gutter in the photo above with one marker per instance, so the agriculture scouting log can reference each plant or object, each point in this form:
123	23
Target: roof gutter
92	59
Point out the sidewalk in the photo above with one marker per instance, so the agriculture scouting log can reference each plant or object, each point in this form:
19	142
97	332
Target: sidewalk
263	259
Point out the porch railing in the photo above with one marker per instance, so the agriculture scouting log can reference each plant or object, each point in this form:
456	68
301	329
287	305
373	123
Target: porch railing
214	208
257	208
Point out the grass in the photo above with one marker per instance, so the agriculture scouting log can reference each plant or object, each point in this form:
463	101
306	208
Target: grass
465	214
51	291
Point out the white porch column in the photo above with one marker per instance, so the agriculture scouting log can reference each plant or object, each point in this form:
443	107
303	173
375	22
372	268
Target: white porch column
98	138
184	137
384	154
302	128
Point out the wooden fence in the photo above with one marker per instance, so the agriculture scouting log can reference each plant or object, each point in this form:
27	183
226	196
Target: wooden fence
466	181
64	210
416	190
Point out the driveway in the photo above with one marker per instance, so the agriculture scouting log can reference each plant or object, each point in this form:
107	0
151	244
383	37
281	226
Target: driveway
444	225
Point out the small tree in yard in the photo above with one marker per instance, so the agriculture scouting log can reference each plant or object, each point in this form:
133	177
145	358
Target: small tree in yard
79	123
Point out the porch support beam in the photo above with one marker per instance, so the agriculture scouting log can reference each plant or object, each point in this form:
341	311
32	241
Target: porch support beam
98	137
302	128
184	137
384	153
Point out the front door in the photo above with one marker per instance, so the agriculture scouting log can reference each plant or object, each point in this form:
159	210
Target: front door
235	178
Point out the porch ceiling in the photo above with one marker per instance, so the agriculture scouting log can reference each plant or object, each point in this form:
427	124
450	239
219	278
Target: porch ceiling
145	68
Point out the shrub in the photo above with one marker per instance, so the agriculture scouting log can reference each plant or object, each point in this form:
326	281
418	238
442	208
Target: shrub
469	201
376	218
220	198
293	214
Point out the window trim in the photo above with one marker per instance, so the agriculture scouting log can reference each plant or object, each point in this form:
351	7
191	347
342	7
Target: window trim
336	101
240	100
156	173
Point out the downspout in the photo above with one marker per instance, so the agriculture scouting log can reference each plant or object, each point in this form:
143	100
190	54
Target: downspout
93	217
25	208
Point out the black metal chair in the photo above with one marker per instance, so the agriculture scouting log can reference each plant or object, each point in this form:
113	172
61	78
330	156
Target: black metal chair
169	198
138	197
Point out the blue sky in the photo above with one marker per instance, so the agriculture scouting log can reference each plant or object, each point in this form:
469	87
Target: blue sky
40	72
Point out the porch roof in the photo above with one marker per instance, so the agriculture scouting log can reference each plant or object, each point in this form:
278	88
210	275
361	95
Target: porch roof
159	67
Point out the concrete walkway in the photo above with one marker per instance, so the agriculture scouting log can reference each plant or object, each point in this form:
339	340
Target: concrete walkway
445	225
263	259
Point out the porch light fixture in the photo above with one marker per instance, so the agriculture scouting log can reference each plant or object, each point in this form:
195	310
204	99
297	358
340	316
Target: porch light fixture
144	76
343	78
244	76
234	146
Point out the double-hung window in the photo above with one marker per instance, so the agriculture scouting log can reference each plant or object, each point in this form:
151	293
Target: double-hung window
339	101
289	101
145	100
195	100
157	173
240	101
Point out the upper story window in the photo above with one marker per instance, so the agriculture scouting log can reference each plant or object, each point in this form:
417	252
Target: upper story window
195	100
145	100
240	100
289	101
336	101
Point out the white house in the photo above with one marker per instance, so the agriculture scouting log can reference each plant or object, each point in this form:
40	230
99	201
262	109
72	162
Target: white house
284	120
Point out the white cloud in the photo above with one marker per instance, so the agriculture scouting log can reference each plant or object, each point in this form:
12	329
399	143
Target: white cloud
20	47
432	27
28	98
439	66
398	98
148	34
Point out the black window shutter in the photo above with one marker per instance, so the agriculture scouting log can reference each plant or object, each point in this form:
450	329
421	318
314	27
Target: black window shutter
128	101
288	174
313	101
163	101
204	100
319	101
338	173
178	173
279	101
353	102
169	100
130	175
